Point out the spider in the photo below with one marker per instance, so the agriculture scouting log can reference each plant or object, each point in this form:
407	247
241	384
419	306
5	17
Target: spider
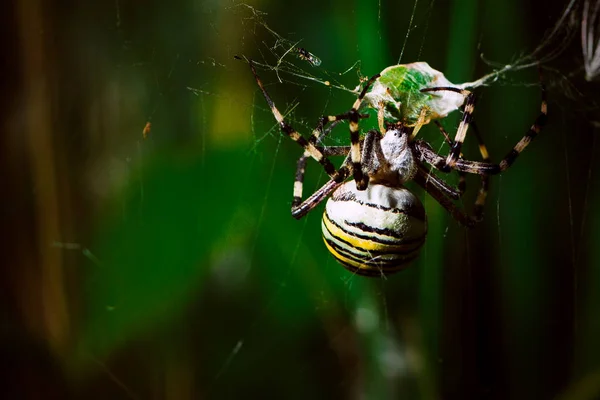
373	225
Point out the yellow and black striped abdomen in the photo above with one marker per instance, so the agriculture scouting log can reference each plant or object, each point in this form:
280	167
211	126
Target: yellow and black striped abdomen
374	232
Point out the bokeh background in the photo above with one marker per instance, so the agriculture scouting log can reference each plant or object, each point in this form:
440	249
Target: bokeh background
161	261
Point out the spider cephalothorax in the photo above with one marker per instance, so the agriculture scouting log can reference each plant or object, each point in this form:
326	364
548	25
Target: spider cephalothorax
373	225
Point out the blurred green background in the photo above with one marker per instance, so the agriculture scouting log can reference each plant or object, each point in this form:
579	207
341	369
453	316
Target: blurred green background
169	267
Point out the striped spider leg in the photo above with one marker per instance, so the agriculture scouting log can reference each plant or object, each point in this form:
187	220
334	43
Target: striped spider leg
454	155
461	175
424	178
444	194
300	209
461	188
461	132
484	168
320	154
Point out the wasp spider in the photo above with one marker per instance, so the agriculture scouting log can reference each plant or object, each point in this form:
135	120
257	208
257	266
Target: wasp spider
372	224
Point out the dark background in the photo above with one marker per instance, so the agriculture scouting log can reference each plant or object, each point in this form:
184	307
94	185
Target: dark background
170	267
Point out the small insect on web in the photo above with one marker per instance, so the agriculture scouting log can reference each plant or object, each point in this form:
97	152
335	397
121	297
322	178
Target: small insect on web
307	56
372	224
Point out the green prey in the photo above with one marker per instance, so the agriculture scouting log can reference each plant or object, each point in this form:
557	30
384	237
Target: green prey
415	94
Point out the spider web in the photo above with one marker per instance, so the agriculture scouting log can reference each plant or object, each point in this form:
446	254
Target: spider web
245	287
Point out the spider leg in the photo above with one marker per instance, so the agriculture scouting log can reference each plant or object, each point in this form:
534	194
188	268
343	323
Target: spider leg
483	189
485	179
531	134
428	179
371	151
427	154
287	129
301	208
362	180
432	179
484	168
422	179
462	183
461	132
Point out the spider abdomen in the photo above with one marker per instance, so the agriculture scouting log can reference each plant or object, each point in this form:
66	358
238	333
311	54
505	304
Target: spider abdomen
374	232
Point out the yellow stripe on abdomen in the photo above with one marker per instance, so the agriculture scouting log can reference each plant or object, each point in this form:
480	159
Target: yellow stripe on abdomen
374	232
